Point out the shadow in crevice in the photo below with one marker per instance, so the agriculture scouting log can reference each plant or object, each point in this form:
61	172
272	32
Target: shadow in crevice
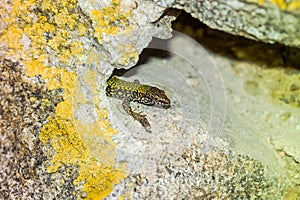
237	47
144	57
234	47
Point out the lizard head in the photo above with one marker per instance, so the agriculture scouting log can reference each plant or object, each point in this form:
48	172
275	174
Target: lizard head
157	97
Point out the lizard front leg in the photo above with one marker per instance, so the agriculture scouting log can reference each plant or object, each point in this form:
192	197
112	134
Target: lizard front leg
139	117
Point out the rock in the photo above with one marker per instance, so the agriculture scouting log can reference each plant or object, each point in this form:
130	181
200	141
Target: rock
265	21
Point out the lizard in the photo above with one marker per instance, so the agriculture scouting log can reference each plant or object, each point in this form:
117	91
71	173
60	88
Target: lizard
136	92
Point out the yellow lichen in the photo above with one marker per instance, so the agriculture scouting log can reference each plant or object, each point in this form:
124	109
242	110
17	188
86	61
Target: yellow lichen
129	55
286	87
288	5
121	197
76	48
13	36
281	84
293	5
36	25
110	20
281	3
78	143
81	29
87	145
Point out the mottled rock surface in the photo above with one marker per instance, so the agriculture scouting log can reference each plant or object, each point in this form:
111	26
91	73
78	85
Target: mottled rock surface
25	105
218	174
267	21
62	138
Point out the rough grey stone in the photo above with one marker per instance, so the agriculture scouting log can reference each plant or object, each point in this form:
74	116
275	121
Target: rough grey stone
265	22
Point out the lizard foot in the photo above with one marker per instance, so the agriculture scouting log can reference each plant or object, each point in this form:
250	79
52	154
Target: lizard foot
137	116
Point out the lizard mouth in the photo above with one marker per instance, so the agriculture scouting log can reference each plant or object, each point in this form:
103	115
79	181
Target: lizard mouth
165	104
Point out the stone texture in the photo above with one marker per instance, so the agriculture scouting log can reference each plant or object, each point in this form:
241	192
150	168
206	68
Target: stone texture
267	22
25	104
218	174
70	48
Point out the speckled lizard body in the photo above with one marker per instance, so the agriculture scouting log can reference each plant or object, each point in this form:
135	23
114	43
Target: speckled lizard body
136	92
